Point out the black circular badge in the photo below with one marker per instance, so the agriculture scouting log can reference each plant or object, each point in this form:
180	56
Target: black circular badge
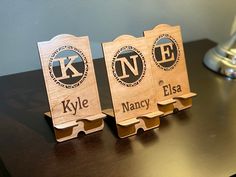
165	52
128	66
68	66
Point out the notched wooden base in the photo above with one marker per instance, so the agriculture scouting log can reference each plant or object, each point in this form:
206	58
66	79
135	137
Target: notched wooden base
184	101
166	106
130	127
71	129
177	103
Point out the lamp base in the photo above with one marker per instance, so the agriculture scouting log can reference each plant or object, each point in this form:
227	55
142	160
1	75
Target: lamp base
222	58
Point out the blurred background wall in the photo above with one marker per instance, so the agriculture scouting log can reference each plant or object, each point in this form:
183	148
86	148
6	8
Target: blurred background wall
23	23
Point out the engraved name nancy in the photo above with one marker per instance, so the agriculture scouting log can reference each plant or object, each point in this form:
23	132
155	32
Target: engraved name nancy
130	106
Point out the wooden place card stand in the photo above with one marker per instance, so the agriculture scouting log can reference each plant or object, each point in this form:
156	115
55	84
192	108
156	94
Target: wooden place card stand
71	86
130	80
169	68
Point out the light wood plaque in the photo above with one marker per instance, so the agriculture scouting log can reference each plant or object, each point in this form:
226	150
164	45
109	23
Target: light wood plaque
171	83
130	80
71	86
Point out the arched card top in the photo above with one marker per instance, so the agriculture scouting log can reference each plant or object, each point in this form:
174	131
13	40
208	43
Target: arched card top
62	36
161	28
124	37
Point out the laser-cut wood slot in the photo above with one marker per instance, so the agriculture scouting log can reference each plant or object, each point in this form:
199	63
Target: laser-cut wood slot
71	86
130	81
166	106
171	83
184	101
131	126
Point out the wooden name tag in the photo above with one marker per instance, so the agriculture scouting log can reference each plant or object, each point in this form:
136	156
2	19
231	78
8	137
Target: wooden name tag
71	86
169	68
130	80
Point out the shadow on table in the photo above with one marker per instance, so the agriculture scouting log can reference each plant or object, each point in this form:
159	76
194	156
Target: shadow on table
147	137
111	123
26	105
123	146
182	116
3	170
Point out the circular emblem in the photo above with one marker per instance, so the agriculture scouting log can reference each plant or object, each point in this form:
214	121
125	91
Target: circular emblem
68	66
128	66
165	52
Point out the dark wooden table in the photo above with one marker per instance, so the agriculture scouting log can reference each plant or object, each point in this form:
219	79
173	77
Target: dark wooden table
197	142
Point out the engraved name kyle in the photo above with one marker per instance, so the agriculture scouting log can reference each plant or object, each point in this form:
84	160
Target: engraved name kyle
73	106
128	106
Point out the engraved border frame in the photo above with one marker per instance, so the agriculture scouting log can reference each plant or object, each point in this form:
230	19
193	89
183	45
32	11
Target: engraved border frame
82	56
178	51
